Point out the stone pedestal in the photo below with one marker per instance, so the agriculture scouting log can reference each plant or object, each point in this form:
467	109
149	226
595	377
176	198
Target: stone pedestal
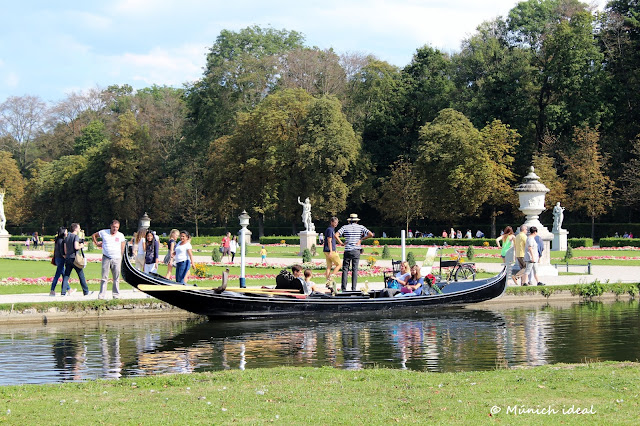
307	239
4	244
560	240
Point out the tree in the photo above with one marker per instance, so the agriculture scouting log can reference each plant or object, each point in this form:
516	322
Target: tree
631	178
22	120
590	189
317	71
13	183
242	69
401	199
92	135
499	143
559	35
452	166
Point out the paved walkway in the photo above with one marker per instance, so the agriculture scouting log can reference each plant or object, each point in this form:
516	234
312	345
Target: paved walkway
624	274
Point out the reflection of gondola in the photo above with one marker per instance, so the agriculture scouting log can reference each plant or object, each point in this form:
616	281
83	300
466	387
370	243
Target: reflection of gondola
237	304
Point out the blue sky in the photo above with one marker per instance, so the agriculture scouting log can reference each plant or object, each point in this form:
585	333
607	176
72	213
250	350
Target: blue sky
52	48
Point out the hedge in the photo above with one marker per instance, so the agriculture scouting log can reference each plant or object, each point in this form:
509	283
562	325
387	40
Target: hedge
396	241
580	242
619	242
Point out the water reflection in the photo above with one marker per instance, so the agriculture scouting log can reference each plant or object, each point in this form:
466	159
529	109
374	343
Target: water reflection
443	340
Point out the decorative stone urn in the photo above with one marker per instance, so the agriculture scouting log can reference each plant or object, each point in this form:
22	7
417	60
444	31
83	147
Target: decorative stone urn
531	193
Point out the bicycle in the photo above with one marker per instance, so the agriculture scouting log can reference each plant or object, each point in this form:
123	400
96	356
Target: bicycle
457	270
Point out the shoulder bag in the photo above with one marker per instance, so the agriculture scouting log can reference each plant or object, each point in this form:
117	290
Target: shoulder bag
80	261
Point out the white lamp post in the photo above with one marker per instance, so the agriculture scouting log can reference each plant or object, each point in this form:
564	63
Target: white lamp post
145	222
244	222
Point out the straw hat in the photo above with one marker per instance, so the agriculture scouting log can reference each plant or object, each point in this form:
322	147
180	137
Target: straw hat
353	218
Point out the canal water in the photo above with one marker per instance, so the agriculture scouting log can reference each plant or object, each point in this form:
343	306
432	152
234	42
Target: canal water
460	339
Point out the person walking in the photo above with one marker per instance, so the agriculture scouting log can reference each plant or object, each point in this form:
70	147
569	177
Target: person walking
520	242
531	255
183	257
151	249
226	242
506	242
58	258
112	244
233	247
72	244
171	246
353	234
329	249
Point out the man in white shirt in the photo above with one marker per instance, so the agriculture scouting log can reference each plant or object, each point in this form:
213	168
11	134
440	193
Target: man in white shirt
531	256
113	243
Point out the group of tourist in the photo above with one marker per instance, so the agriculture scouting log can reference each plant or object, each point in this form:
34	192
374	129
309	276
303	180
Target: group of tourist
527	246
458	234
146	247
68	250
69	245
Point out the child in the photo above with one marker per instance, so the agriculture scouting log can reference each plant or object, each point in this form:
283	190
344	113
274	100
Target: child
311	286
263	255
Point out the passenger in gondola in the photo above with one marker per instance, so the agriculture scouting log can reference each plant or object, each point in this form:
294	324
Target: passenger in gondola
296	270
414	284
312	287
393	285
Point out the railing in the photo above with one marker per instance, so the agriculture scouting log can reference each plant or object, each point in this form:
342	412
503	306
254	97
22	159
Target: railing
567	265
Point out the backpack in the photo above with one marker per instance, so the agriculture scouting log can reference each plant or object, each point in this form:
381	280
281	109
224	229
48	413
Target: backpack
286	281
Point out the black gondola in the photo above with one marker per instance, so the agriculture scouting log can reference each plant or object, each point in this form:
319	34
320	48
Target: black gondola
225	303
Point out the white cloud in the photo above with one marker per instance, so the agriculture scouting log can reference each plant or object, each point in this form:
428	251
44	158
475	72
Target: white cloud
161	66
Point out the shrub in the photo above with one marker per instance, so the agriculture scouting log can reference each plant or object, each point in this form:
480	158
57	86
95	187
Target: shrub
568	254
619	242
306	256
579	242
470	253
371	260
485	244
589	291
386	253
91	247
546	291
216	256
376	243
314	249
411	258
18	250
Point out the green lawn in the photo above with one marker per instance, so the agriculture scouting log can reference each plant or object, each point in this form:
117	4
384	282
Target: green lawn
605	393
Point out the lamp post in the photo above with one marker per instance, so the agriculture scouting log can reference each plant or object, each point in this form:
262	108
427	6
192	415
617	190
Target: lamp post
145	222
244	222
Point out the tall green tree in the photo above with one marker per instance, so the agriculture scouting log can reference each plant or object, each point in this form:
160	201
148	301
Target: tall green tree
499	143
589	187
12	182
242	68
400	198
630	191
453	167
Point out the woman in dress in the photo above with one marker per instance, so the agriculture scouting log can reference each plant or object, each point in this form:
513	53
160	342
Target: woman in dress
58	258
171	245
138	248
183	257
505	243
151	248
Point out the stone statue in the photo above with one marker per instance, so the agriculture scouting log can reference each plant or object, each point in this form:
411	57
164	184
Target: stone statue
306	214
3	218
558	217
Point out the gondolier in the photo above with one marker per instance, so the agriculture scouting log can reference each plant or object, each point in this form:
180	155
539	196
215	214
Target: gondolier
353	235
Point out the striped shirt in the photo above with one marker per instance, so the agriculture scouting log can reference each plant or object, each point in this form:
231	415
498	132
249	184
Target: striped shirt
352	234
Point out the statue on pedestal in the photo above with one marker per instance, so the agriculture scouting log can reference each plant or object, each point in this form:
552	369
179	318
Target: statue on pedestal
558	217
306	215
3	218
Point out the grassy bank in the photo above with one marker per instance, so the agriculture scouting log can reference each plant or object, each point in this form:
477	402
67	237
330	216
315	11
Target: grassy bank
607	393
